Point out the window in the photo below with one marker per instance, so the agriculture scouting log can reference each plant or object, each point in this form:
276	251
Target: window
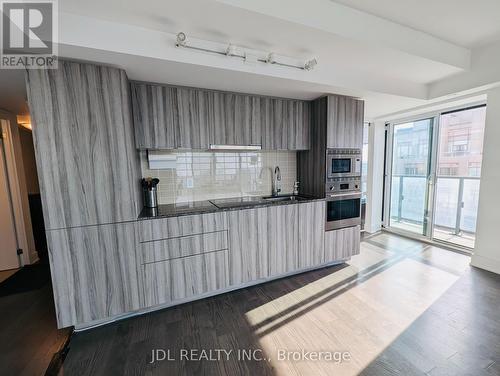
475	169
458	141
450	169
423	149
411	170
404	150
448	145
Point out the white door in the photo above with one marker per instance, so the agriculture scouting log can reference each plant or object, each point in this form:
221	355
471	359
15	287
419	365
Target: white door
8	239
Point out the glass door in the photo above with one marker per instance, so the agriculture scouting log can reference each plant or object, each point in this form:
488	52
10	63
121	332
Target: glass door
410	173
458	172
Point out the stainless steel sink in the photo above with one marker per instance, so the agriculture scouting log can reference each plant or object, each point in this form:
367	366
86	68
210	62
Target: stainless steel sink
236	202
283	198
253	200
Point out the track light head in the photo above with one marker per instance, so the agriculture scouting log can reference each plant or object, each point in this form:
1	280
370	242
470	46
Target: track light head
233	50
181	39
310	64
271	58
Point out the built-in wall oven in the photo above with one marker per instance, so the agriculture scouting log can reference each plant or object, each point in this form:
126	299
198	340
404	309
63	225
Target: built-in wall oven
343	188
343	210
343	163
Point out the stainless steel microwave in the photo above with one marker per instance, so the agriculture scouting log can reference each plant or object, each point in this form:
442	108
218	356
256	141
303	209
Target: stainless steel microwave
343	163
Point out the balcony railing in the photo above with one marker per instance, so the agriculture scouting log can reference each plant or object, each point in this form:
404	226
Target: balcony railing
456	201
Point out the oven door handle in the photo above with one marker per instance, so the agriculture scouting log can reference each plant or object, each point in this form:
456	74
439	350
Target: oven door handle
343	196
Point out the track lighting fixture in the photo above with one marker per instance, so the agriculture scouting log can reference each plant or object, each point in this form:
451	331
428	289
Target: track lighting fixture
248	56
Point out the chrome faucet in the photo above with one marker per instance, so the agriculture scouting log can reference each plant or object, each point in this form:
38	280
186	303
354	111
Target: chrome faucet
277	181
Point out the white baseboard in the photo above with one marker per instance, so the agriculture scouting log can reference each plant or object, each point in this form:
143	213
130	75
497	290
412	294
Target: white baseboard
486	263
372	229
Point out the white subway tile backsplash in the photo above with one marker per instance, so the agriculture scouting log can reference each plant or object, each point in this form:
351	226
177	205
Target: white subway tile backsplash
209	175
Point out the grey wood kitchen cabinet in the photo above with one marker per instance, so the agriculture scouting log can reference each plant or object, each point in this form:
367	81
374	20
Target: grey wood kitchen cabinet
156	115
167	117
182	257
286	124
87	164
265	242
336	122
299	128
342	244
283	243
236	119
311	231
192	129
344	122
94	272
186	277
269	141
249	243
183	246
173	227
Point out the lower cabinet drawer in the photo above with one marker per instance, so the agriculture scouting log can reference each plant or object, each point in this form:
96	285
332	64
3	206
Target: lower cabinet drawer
342	244
164	228
182	278
161	250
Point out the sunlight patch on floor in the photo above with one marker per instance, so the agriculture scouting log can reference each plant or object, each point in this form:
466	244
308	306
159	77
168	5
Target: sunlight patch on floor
363	319
288	305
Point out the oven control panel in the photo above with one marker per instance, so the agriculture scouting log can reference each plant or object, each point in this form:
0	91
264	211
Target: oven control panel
344	152
340	185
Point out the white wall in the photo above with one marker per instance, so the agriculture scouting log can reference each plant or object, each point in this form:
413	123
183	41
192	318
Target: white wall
487	250
375	180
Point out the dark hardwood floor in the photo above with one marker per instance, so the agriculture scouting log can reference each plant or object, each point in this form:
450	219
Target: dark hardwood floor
457	335
399	308
29	337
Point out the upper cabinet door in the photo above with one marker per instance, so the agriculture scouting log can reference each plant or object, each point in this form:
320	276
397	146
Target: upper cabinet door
156	115
275	123
236	119
192	129
299	125
256	126
218	129
344	122
88	167
286	124
267	123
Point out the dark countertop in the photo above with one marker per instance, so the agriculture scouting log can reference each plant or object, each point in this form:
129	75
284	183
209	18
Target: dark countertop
218	205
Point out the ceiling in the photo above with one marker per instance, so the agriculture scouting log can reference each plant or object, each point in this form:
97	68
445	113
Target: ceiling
463	22
392	53
214	21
